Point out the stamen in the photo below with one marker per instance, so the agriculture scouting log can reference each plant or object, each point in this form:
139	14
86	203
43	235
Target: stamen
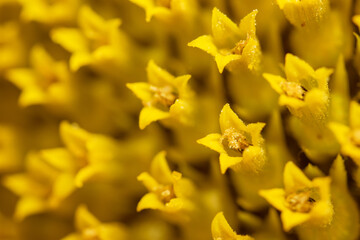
293	89
239	47
300	202
166	193
165	96
235	140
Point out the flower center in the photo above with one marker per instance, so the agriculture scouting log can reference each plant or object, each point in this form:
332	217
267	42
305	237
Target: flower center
166	193
235	140
239	46
293	89
355	137
165	96
163	3
300	202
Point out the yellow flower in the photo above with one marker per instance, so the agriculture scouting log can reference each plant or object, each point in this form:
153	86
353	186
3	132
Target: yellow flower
165	10
89	227
301	200
46	182
97	42
231	44
345	223
221	229
302	13
240	146
163	97
168	191
248	184
49	12
96	157
349	136
304	92
47	82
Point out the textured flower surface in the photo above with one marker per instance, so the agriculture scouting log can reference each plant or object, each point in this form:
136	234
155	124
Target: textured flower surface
164	96
103	136
302	200
240	146
305	91
169	192
302	13
230	43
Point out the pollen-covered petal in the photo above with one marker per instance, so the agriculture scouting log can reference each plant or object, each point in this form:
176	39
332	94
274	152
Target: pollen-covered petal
151	114
291	102
223	60
225	32
304	13
251	54
227	161
221	229
255	131
150	201
275	196
323	75
213	141
318	102
229	119
322	213
254	159
292	219
297	70
294	178
248	24
205	43
323	183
